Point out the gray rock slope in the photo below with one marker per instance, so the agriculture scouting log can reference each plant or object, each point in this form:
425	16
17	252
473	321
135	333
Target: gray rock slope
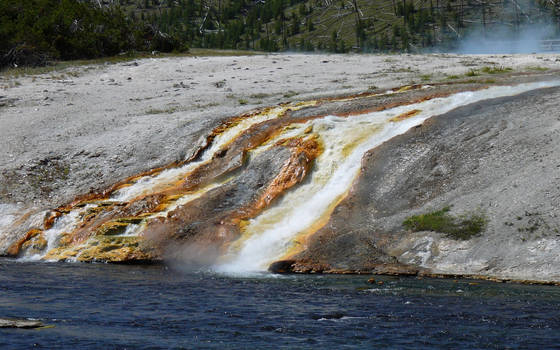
499	157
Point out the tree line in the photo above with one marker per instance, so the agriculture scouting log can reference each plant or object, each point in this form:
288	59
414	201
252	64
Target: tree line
33	32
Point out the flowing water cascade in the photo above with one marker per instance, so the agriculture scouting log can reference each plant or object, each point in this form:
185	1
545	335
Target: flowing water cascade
179	204
67	220
280	231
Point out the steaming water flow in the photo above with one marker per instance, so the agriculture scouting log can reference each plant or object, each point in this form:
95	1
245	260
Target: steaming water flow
277	231
280	230
150	184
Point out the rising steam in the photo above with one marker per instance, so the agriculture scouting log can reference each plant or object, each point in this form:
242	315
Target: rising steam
535	38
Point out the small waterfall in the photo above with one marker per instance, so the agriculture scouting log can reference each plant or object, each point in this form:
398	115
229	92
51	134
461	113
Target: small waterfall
281	229
150	184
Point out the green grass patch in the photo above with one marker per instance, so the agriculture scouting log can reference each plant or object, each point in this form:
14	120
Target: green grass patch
290	94
127	57
496	70
472	73
402	70
537	68
461	227
259	95
425	77
219	52
480	81
62	65
169	110
488	70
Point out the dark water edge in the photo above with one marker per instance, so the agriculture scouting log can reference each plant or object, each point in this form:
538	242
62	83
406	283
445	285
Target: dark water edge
99	306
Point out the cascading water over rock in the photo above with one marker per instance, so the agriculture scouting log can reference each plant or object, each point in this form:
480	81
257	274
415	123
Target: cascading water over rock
264	183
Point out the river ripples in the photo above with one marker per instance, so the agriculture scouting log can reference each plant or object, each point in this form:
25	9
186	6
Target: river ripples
98	306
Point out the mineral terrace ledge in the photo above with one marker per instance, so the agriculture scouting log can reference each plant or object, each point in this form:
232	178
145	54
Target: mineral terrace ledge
294	267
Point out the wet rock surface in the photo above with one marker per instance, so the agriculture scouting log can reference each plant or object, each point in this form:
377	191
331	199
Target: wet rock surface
233	186
206	224
20	323
497	157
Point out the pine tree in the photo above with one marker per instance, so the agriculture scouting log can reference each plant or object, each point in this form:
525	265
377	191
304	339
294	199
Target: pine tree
333	47
309	25
295	24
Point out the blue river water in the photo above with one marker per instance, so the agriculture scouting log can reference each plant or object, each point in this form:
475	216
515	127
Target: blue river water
99	306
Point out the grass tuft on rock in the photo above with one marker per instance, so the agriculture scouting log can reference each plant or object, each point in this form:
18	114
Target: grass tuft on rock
496	70
461	227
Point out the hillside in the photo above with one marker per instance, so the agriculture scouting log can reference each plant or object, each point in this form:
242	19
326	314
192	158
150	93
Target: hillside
340	26
39	31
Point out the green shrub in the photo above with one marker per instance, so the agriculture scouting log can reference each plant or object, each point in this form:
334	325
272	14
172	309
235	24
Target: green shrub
462	227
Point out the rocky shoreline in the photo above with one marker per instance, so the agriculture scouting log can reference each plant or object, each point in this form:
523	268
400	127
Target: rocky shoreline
295	267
